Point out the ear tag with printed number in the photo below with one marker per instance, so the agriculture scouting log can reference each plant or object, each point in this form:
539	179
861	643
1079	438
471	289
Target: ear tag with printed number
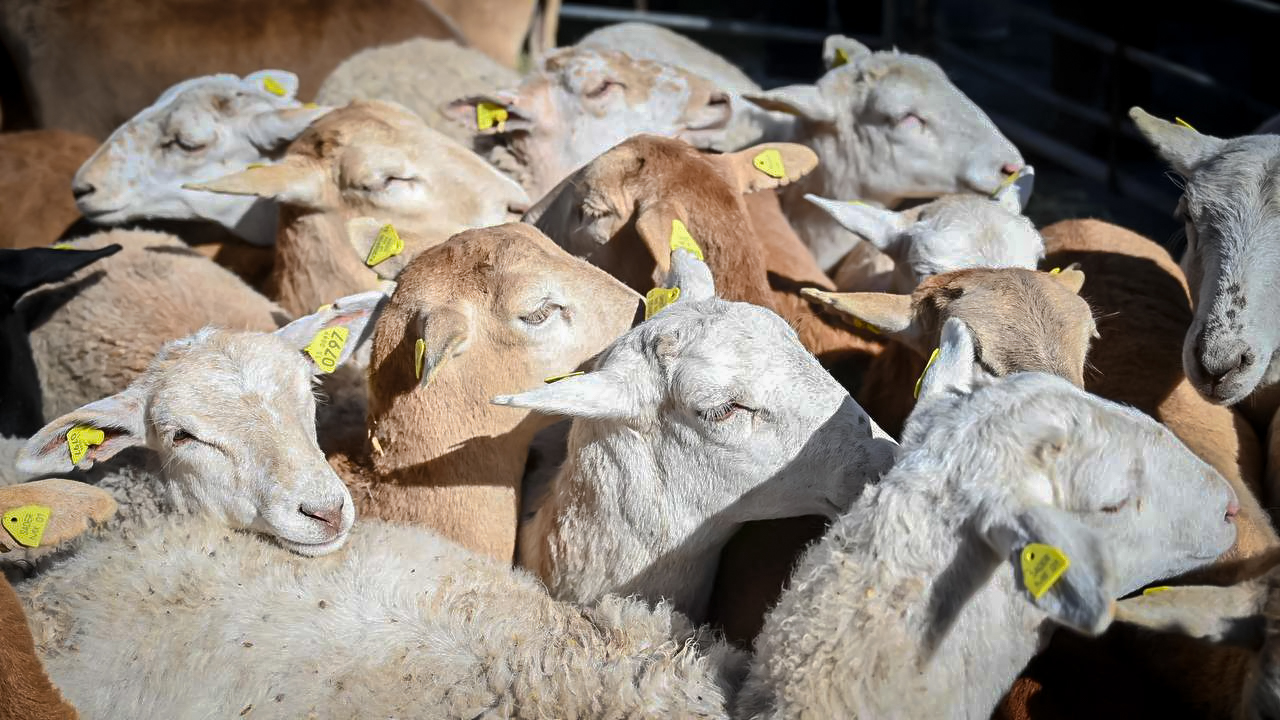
842	58
419	353
658	299
489	114
769	162
682	240
326	347
27	523
932	359
272	86
80	438
1185	124
1042	565
386	246
558	378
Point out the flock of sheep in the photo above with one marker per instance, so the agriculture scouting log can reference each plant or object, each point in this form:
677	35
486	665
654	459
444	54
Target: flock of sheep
643	392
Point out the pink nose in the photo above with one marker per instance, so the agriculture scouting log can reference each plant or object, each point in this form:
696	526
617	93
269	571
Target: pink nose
1233	509
1011	168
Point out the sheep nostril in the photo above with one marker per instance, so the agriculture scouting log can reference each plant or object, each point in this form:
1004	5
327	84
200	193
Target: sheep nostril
82	190
1233	509
1011	168
331	515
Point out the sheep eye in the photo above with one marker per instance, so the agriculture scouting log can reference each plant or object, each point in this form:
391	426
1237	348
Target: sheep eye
720	413
603	88
184	145
182	436
910	120
1115	508
539	316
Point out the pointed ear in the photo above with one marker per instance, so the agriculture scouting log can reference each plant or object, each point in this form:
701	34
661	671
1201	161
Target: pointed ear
599	395
662	228
329	336
879	313
23	270
768	166
691	275
271	131
838	50
74	508
291	181
882	228
378	243
1070	278
281	83
804	101
1223	615
438	337
704	124
91	434
489	114
955	366
1181	147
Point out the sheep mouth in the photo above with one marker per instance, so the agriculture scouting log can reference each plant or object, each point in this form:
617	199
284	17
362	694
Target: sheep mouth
313	549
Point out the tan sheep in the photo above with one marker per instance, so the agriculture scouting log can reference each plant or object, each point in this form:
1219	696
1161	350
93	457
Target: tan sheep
36	168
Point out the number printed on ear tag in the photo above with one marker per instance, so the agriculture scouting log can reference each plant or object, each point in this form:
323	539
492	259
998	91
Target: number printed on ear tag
27	523
659	298
1042	565
80	438
326	348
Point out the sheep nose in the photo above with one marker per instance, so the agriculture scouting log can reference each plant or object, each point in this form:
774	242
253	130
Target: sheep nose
1227	358
82	189
1012	168
331	515
1233	509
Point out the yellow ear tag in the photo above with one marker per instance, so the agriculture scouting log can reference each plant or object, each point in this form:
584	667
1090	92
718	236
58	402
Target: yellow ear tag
1055	271
1185	124
63	246
326	347
27	523
254	166
657	299
487	114
842	58
1042	565
920	382
80	438
419	353
309	106
1156	589
769	162
681	239
324	307
386	246
270	85
558	378
1009	180
864	325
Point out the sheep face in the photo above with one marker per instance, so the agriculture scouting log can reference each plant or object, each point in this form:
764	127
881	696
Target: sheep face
583	101
950	233
197	130
1231	262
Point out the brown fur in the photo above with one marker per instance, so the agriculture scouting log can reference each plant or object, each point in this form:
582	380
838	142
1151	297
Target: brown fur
495	27
36	168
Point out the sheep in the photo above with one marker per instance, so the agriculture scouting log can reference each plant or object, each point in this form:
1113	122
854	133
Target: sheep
498	28
227	420
21	411
990	470
367	158
420	74
493	311
400	623
199	129
952	232
36	168
707	415
73	507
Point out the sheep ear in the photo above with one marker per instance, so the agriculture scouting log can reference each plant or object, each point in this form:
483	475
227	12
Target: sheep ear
74	508
488	114
954	365
1222	615
329	336
770	165
662	228
281	83
703	126
440	336
1059	563
878	313
272	130
1070	278
838	50
91	434
882	228
378	245
22	270
599	395
691	275
292	182
804	101
1180	146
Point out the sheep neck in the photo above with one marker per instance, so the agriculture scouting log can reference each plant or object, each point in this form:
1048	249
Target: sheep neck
315	264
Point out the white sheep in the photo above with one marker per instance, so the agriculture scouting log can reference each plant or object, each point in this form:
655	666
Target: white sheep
928	597
708	415
199	129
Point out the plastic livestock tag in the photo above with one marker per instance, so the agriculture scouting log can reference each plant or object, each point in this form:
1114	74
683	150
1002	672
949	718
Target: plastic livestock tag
309	106
80	438
324	307
27	523
254	166
769	162
842	58
386	246
558	378
1185	124
488	114
326	347
864	325
63	246
1042	565
1009	180
659	298
920	382
270	85
1156	589
419	354
1055	271
682	240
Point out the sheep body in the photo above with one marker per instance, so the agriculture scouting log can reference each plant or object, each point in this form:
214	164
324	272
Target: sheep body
35	198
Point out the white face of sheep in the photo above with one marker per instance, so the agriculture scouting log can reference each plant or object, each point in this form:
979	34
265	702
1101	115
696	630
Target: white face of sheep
197	130
583	101
1037	460
954	232
721	403
890	126
231	416
1229	206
